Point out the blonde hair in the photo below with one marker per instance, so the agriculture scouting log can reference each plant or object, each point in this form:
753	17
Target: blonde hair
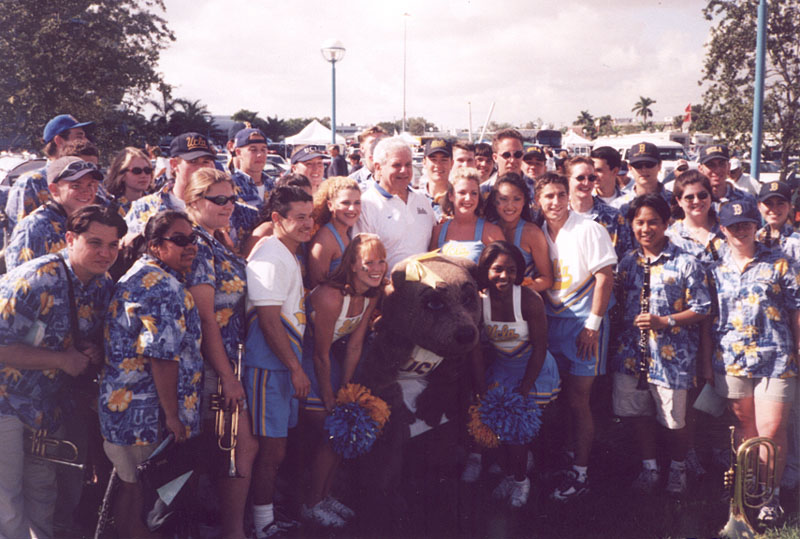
122	160
329	190
363	245
459	174
199	183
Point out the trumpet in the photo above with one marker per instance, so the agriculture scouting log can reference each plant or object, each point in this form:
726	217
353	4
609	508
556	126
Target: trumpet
226	423
38	445
751	480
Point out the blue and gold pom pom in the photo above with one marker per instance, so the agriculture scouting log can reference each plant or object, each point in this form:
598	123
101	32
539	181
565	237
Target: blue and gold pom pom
356	421
504	416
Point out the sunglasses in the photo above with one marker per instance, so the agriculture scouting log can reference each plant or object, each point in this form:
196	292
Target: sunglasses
590	177
508	155
138	170
221	200
639	166
183	241
702	195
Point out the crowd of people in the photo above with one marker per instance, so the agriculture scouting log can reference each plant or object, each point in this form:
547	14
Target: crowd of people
151	282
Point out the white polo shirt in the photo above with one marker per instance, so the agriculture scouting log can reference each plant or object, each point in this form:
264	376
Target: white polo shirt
404	227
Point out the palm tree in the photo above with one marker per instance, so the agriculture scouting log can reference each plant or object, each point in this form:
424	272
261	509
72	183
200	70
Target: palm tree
164	108
605	124
192	116
642	108
585	118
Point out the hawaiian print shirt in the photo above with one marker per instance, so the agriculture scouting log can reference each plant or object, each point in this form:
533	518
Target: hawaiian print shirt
243	220
151	315
247	191
623	202
753	327
708	254
42	232
677	283
123	205
28	193
614	223
733	194
787	239
217	266
147	206
35	310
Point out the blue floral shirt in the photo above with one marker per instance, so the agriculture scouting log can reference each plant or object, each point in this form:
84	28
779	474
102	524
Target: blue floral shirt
28	193
40	233
677	283
151	315
753	327
787	239
708	254
147	206
243	220
35	310
623	202
217	266
614	223
247	191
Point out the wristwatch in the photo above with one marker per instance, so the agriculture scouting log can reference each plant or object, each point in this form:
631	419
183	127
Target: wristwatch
670	322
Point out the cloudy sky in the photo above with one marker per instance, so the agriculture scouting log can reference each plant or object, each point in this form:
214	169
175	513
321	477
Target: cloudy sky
533	58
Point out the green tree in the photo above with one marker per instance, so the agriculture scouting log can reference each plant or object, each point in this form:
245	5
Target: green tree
419	126
729	72
95	59
587	122
191	116
643	110
605	125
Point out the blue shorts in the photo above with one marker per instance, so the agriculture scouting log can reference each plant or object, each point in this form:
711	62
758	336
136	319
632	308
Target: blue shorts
509	373
337	353
270	400
561	336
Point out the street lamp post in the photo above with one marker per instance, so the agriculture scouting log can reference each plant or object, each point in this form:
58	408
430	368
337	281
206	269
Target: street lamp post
333	51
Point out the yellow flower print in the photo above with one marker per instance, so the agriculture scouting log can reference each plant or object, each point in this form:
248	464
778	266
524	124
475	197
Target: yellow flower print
781	266
57	246
196	377
126	295
112	308
130	364
46	303
773	313
151	278
678	305
149	323
141	344
765	273
668	352
233	286
43	196
750	332
190	401
8	307
223	316
737	347
3	391
734	370
182	323
51	373
25	254
85	312
226	266
23	285
120	399
753	299
737	323
49	269
56	227
669	280
188	299
11	373
751	350
656	271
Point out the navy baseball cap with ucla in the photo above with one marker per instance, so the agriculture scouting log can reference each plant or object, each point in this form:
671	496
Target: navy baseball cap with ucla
534	153
70	169
305	153
644	152
739	211
61	123
190	146
775	189
438	145
250	136
713	151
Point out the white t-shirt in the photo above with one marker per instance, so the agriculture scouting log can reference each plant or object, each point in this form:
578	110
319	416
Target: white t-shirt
274	277
404	227
582	247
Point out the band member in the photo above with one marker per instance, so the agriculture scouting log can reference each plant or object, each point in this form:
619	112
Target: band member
664	295
51	312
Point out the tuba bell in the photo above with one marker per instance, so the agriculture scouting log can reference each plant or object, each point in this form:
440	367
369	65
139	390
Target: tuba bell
751	480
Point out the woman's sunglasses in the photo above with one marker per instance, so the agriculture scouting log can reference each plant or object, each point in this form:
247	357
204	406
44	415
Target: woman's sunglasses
702	195
221	200
183	241
138	170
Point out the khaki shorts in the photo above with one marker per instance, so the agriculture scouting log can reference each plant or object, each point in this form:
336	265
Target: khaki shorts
740	387
126	457
668	405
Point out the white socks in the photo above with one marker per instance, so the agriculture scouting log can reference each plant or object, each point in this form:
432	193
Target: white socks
263	515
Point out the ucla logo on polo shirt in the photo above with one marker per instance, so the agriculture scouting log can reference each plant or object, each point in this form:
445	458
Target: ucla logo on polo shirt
195	143
737	209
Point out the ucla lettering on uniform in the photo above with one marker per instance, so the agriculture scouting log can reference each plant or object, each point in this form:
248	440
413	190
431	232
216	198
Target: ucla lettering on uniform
497	333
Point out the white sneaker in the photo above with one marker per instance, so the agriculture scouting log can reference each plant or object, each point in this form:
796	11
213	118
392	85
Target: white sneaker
771	514
332	504
676	483
646	481
503	489
472	471
519	492
321	516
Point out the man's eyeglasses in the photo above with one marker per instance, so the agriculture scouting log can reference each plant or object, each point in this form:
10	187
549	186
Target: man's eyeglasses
183	241
508	155
221	200
702	195
639	166
583	178
137	170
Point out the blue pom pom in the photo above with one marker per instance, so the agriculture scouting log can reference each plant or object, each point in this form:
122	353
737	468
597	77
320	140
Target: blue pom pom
351	430
514	418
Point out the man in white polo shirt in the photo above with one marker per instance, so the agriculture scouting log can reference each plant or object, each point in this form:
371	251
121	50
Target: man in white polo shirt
402	217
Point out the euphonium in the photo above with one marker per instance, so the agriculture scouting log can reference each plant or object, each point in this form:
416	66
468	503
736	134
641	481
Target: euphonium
227	421
751	479
40	446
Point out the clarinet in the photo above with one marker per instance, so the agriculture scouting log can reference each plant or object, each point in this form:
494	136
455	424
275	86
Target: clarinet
644	334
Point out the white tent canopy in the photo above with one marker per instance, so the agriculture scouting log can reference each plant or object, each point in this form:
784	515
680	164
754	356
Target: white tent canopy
314	133
576	143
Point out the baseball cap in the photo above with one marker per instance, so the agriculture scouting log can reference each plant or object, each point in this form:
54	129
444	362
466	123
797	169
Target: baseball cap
775	189
190	146
735	163
534	152
71	168
235	128
438	145
713	151
61	123
250	136
644	152
305	153
740	211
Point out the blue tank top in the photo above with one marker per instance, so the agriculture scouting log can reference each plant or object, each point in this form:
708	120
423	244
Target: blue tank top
335	262
529	267
464	249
